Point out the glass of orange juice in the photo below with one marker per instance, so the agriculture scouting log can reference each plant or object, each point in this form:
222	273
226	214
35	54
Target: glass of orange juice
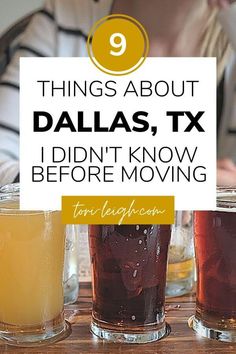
32	245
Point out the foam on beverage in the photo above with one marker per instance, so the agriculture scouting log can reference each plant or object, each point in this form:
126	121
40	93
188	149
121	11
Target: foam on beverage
226	203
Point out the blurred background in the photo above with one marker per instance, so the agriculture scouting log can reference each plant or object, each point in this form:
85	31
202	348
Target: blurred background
12	10
11	14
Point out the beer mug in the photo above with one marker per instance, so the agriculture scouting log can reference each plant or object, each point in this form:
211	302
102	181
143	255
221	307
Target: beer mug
128	277
215	246
32	247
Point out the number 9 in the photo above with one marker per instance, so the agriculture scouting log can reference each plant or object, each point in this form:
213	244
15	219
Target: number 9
122	44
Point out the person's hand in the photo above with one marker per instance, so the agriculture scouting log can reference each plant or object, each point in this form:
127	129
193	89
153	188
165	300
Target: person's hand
222	4
226	164
226	173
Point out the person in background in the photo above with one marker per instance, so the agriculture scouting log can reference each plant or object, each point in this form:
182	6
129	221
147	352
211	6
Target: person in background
175	28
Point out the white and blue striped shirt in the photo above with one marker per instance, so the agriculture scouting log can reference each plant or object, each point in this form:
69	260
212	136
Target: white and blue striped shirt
61	29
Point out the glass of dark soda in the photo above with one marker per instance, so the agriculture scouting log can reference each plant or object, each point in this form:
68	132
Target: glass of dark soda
215	246
129	275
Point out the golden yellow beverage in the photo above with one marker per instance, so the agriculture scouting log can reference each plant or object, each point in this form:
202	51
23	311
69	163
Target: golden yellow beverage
181	270
31	266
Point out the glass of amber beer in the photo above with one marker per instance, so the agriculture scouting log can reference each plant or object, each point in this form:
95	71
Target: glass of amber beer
215	244
129	274
181	263
31	273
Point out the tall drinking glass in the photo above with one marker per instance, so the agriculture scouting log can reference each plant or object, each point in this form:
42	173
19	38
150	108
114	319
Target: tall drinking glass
31	273
129	274
215	243
181	262
71	270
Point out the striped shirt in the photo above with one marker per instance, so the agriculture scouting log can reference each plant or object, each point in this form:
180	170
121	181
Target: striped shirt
60	29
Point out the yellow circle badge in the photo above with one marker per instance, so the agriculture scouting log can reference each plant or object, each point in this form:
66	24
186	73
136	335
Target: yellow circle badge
118	44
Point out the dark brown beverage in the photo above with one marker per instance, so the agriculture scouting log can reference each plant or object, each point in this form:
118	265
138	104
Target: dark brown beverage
215	242
129	274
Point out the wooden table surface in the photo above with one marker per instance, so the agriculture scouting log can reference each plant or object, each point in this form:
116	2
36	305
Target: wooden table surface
181	340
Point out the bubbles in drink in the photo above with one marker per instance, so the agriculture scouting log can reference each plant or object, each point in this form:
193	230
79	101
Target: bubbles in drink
129	275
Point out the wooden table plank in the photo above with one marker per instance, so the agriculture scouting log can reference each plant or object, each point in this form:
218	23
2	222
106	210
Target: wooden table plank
181	340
